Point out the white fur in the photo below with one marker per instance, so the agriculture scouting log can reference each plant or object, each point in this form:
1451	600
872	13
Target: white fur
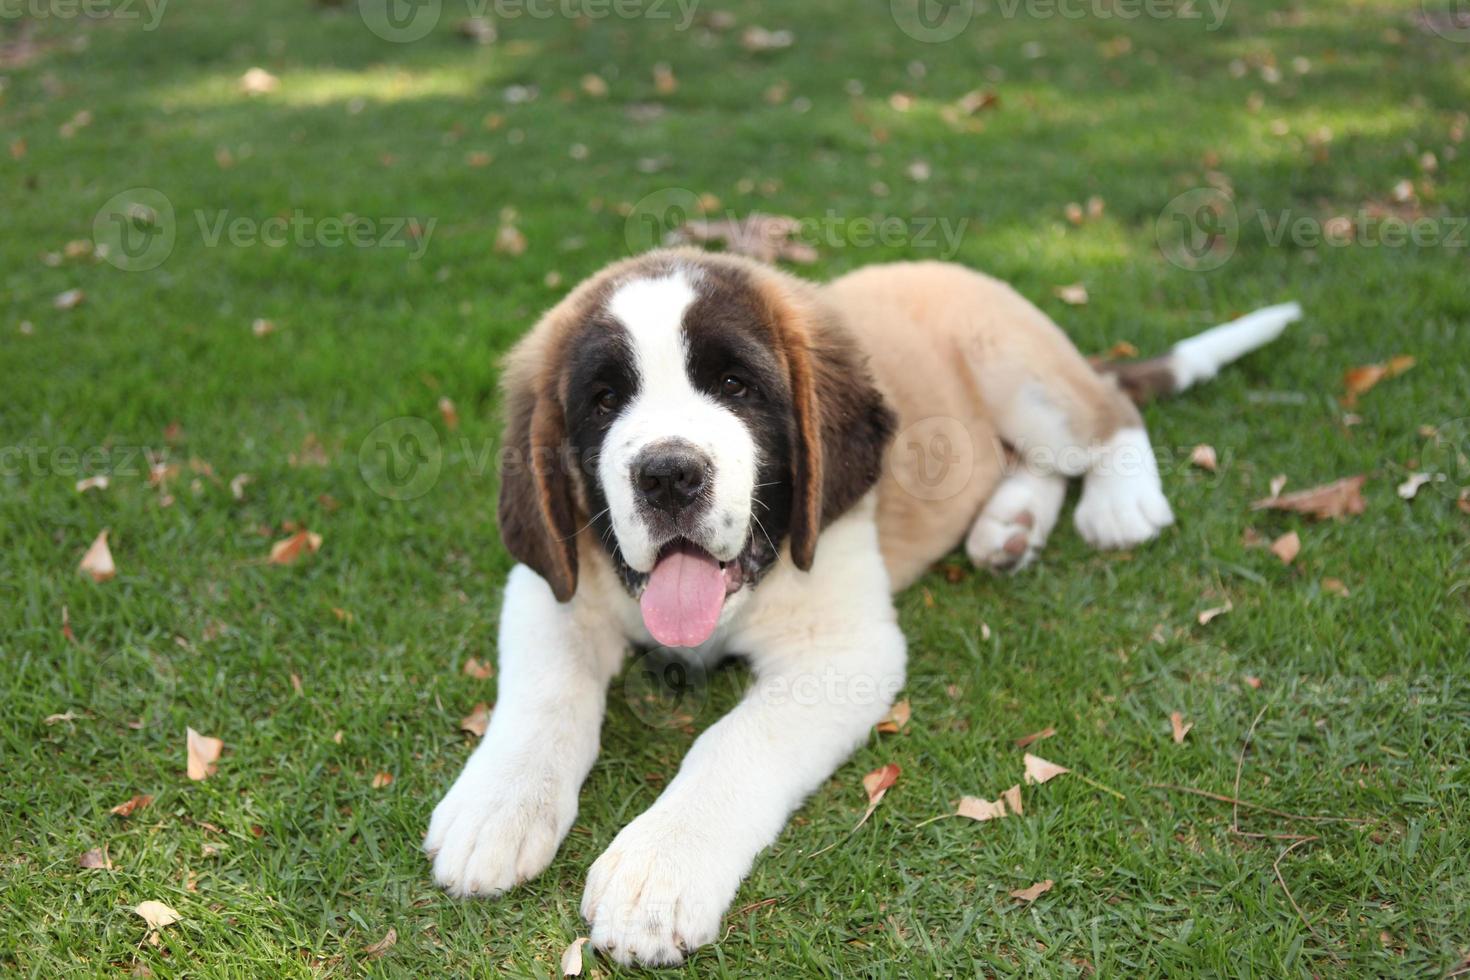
1201	357
1123	500
668	406
1023	508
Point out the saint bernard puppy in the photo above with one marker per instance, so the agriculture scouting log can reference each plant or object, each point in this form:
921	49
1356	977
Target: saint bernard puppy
700	454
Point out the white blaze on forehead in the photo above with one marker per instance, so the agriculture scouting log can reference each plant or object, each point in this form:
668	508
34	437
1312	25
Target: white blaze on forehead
667	405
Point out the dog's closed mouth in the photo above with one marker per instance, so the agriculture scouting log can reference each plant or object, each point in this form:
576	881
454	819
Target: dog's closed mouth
685	594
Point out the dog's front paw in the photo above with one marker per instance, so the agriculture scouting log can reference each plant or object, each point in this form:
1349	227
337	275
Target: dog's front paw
497	827
660	891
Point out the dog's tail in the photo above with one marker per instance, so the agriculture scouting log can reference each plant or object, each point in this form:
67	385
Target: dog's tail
1202	356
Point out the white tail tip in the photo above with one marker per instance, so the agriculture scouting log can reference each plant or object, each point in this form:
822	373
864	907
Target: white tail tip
1201	357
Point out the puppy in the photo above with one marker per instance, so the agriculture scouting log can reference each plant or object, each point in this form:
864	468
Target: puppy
700	454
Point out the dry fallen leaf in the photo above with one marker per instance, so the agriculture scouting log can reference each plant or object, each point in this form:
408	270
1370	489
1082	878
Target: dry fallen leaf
1034	892
1026	740
1338	499
897	717
1253	682
510	240
289	550
1358	380
476	669
594	85
876	784
1038	770
95	858
1336	586
258	81
1287	547
760	39
977	808
765	237
67	715
571	958
1210	614
1012	798
377	949
1073	295
99	482
1178	727
477	720
261	327
382	780
237	485
664	82
480	30
97	562
128	808
156	914
1204	457
69	300
1409	489
1278	483
449	414
203	752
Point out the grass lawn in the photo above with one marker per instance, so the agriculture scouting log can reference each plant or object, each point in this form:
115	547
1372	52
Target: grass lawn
289	861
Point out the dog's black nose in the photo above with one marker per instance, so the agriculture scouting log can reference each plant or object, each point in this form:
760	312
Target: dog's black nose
670	476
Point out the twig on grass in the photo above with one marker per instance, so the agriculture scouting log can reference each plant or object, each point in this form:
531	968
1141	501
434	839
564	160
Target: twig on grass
1276	866
1240	767
1237	801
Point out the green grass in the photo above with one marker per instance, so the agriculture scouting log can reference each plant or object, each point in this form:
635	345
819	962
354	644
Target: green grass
1364	699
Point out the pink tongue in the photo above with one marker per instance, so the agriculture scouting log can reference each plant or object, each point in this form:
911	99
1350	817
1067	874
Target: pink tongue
682	601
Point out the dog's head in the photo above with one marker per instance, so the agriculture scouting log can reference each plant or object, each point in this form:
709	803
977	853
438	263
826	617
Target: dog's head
690	414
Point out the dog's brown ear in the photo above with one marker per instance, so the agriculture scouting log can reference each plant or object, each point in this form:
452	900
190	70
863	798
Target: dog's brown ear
843	427
537	513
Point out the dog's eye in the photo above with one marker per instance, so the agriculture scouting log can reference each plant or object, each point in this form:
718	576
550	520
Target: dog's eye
607	401
732	387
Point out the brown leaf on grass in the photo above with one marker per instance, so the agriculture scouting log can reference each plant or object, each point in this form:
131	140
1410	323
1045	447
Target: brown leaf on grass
1336	586
877	784
510	240
287	551
94	859
756	39
476	721
449	414
262	327
1278	484
1287	547
977	808
478	670
296	684
1038	770
67	715
766	237
375	950
1339	499
203	752
99	482
237	485
480	30
1204	457
897	717
1463	501
258	81
571	958
129	807
69	300
382	780
156	914
594	85
1026	740
1253	682
1210	614
97	562
664	82
1034	892
1178	727
1359	380
311	453
1012	798
1073	295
